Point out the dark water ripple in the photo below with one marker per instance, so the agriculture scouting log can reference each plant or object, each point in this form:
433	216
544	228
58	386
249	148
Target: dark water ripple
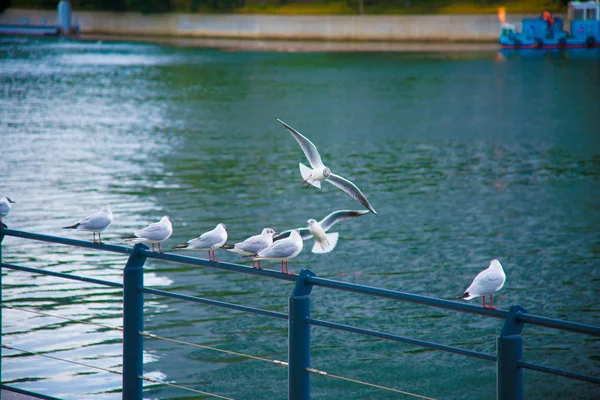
464	159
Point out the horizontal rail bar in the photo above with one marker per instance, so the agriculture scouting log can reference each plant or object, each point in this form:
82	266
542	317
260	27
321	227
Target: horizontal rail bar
26	392
554	371
403	339
61	275
67	241
558	324
222	304
219	265
411	298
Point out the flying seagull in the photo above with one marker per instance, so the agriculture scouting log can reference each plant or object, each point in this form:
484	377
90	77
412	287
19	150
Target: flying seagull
487	282
319	172
324	242
96	222
253	244
153	233
208	241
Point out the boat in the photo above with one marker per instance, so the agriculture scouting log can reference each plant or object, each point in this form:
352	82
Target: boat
547	31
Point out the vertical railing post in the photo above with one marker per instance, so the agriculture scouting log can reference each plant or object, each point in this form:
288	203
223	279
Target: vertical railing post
133	324
509	375
1	239
299	339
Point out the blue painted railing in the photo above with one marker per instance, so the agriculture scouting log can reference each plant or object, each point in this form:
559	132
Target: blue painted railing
509	357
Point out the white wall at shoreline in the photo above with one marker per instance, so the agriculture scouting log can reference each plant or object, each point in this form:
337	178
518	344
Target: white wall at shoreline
470	28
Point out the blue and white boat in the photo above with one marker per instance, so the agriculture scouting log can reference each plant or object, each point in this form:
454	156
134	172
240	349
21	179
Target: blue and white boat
547	32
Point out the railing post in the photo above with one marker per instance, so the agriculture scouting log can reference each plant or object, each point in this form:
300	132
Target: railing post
299	339
133	324
509	375
1	239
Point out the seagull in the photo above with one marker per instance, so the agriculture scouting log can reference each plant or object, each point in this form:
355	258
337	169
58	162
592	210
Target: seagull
153	233
319	172
324	243
96	222
488	281
5	207
253	244
282	250
208	241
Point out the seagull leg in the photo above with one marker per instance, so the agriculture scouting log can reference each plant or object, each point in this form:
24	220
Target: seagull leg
282	267
99	238
153	247
492	303
259	267
483	301
159	250
214	257
94	237
304	182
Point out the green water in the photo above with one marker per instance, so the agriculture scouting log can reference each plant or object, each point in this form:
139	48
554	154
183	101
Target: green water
464	158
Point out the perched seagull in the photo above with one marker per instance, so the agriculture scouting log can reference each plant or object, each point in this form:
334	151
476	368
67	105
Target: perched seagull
488	281
253	244
319	172
208	241
96	222
282	250
324	242
5	207
153	233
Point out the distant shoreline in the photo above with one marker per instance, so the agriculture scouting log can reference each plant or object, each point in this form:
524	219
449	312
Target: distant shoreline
298	46
327	32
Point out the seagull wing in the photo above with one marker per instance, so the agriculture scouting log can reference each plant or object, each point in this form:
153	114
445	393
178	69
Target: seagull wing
309	149
96	221
351	189
281	249
486	282
153	231
337	216
304	233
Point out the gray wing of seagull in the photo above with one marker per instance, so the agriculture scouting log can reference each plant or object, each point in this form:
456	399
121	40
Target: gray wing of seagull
351	189
252	245
282	249
206	240
95	221
337	216
155	231
304	233
309	149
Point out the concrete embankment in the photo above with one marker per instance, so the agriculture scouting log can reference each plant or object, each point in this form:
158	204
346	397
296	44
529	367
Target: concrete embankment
421	28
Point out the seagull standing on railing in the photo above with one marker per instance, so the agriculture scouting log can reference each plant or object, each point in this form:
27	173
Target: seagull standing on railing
208	241
320	172
5	206
96	222
253	244
487	282
154	233
324	242
282	250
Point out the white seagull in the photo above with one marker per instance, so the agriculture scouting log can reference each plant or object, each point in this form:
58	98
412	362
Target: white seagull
324	242
5	206
153	233
253	244
208	241
282	250
319	172
487	282
96	222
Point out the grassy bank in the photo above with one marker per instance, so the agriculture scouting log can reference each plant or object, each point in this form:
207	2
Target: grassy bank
307	7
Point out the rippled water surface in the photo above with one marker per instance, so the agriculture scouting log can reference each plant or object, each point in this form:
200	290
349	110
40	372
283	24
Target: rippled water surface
464	158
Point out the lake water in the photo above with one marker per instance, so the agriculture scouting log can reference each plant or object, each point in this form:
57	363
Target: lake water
465	159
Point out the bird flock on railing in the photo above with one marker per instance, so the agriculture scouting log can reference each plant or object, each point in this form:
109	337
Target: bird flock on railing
271	245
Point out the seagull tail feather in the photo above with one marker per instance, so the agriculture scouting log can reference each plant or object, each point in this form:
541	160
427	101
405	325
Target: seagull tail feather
74	226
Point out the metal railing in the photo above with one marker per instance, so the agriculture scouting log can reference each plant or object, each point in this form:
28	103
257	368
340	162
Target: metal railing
508	358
